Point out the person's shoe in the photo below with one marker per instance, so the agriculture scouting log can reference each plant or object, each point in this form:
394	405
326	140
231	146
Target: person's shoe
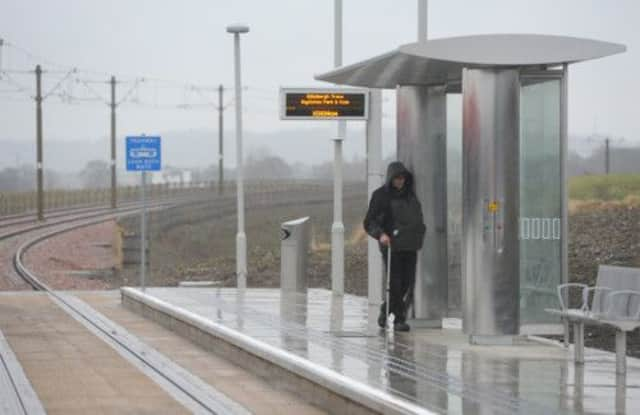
401	327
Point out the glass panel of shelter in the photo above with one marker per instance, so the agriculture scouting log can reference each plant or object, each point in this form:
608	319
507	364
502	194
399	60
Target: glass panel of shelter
540	196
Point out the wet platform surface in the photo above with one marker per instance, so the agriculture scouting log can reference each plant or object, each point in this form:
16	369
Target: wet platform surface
72	370
434	369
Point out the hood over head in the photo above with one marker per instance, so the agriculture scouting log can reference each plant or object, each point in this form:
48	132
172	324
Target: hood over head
396	169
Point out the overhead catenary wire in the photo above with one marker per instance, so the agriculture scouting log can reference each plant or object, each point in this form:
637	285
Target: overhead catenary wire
194	96
55	88
145	92
86	75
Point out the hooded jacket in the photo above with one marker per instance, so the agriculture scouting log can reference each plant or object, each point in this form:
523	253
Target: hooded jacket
392	210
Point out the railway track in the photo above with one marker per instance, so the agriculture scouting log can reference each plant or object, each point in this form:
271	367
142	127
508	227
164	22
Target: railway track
190	391
12	236
14	220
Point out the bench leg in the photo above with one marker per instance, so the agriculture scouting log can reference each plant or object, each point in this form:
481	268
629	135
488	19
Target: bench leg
621	351
565	325
578	340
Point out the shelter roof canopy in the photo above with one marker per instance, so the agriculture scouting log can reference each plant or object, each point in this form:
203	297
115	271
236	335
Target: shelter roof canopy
440	61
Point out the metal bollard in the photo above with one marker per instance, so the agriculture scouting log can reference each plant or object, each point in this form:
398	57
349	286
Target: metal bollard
293	257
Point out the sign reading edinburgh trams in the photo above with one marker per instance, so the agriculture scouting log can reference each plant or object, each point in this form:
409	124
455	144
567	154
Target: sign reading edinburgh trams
323	104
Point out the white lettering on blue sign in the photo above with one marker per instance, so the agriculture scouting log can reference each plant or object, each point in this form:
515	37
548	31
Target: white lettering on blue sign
143	153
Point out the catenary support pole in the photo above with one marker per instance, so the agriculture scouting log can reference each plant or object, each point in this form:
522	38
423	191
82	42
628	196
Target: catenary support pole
39	162
220	141
114	185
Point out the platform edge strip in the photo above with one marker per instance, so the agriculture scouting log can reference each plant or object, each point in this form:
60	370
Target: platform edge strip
365	395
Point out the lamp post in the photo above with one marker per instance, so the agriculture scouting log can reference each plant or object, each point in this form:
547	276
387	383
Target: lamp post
241	237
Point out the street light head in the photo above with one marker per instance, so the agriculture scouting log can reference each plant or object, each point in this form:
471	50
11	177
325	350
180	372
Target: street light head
238	28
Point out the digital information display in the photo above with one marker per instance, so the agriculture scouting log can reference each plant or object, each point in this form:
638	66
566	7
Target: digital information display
323	104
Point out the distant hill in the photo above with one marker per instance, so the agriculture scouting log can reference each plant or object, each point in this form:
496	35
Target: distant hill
300	149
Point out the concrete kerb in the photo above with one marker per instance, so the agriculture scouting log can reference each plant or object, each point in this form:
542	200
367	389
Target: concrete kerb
370	398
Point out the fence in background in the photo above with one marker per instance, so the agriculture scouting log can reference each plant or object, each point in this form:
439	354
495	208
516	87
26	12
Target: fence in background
23	202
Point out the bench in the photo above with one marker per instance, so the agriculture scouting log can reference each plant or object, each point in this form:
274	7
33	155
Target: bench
614	302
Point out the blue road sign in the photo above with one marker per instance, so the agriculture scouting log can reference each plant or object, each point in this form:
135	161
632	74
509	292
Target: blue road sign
143	153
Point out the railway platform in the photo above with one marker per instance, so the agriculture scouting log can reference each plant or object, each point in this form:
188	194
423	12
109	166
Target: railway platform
223	350
83	353
326	347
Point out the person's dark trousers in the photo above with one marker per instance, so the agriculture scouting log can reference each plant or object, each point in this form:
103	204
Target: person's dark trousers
403	277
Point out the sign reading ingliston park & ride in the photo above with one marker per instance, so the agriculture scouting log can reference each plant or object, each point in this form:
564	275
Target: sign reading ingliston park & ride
323	104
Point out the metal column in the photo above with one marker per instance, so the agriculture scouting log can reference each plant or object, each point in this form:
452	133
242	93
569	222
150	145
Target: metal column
491	262
375	179
422	146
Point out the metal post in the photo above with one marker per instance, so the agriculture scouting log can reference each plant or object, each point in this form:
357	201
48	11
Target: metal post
578	342
337	229
375	179
606	156
220	142
39	166
1	45
143	233
423	14
564	184
621	394
241	238
621	351
114	190
337	38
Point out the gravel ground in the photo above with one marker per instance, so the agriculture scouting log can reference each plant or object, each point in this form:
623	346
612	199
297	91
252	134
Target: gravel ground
604	234
206	251
83	259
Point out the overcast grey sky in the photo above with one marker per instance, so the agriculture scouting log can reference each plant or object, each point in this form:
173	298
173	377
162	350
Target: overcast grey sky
289	42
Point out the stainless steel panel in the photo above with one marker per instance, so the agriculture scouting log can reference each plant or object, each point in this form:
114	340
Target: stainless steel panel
490	265
421	130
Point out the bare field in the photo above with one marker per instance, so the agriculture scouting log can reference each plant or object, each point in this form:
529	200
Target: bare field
206	250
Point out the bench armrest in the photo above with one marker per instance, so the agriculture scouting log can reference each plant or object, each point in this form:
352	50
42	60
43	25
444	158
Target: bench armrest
570	285
627	293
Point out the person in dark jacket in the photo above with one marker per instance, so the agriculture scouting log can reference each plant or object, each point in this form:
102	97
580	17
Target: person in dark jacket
394	218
